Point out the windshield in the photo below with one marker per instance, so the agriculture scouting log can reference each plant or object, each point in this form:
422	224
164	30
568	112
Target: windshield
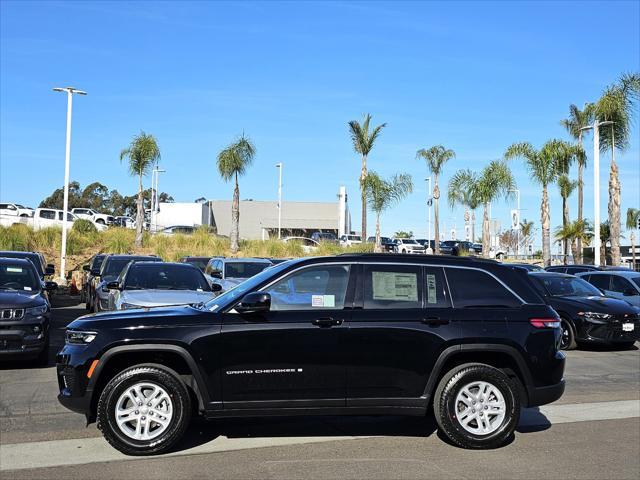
18	277
410	242
244	269
569	287
114	266
97	262
162	276
33	257
239	290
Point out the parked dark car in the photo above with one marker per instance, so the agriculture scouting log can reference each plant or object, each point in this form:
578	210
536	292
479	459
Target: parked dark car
387	244
459	247
352	334
586	314
529	267
42	267
324	237
198	262
24	311
93	272
579	268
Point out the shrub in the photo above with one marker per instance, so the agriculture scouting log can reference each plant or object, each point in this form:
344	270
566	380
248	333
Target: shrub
84	226
15	237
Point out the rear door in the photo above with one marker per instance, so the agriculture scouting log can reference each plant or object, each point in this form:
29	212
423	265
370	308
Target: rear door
401	322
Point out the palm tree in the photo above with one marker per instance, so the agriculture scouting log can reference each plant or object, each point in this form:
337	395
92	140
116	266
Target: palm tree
142	153
633	220
232	162
567	187
574	231
382	194
494	181
617	105
460	193
363	141
605	237
578	119
526	229
436	157
544	167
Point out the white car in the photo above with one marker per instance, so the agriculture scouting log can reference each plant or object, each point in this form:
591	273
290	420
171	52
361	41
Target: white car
308	245
409	245
93	216
125	221
50	217
348	240
15	209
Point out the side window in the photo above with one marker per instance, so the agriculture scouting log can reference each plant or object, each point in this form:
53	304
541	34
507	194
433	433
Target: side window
48	214
620	285
475	288
392	286
435	288
600	281
318	287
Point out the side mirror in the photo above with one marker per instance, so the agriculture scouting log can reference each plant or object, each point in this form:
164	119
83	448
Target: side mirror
216	273
113	286
49	269
216	287
630	292
86	268
50	286
254	302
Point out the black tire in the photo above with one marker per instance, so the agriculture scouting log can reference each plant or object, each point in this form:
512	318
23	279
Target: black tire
100	221
156	374
568	340
444	405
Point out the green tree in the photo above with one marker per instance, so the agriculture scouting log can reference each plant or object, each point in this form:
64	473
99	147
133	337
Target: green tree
403	234
435	157
142	154
617	104
574	231
566	186
95	196
363	141
633	220
233	161
526	230
460	193
55	200
605	237
382	194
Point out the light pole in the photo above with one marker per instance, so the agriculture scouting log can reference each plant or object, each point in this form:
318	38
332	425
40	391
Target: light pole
596	187
65	203
279	167
429	250
517	226
155	175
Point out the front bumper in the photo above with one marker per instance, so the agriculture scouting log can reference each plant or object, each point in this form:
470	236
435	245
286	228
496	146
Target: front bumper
610	331
24	338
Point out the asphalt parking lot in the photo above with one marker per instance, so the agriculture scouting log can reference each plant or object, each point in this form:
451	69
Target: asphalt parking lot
592	432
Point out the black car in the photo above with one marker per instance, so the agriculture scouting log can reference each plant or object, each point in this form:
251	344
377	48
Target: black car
93	273
586	314
387	244
529	267
198	262
580	268
458	248
24	311
324	237
36	258
353	334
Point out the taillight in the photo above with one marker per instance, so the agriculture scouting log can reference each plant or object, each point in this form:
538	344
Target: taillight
545	322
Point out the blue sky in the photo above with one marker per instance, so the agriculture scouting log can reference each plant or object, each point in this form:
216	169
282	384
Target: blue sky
473	76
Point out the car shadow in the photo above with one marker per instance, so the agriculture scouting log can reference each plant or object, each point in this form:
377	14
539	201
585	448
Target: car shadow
532	420
606	347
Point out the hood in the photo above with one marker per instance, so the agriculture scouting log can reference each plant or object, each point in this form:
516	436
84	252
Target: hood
599	304
155	298
20	299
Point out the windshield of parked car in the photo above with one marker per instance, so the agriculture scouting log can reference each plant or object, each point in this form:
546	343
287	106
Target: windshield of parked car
409	242
235	293
97	262
568	287
244	269
114	266
449	243
164	276
18	277
33	257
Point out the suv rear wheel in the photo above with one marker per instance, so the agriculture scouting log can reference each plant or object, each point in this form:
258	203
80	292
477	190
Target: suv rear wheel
144	410
477	406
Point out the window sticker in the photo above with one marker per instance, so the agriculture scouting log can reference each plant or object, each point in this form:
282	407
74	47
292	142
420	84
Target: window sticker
14	269
28	289
431	288
395	286
317	300
329	301
323	301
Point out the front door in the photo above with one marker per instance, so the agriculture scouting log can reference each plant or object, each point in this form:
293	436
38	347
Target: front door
293	355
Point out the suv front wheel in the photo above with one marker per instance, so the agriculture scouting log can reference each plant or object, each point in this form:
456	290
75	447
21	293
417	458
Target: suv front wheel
477	406
144	410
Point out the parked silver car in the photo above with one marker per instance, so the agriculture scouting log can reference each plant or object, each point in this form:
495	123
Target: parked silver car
158	284
620	284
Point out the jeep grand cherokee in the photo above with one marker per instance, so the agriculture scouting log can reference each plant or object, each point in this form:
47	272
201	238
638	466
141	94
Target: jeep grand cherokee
468	339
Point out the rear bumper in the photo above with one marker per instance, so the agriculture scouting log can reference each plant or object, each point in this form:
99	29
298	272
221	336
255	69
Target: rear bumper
543	395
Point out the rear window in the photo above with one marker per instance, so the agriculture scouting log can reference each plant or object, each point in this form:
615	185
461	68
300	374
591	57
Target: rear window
163	276
476	288
244	269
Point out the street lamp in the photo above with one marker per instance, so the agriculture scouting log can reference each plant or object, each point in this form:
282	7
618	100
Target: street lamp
279	167
517	226
596	187
65	203
155	201
429	250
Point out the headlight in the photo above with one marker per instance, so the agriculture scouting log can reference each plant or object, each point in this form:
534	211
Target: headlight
595	315
77	337
126	306
39	310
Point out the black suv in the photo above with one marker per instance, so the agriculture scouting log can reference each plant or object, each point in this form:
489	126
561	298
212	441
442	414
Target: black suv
354	334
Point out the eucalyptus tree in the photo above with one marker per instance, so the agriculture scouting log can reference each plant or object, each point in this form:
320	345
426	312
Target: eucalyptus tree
460	193
233	161
617	105
363	141
435	157
382	194
495	180
566	186
142	154
577	121
633	222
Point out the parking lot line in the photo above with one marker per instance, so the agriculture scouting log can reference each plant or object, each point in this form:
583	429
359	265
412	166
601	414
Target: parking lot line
93	450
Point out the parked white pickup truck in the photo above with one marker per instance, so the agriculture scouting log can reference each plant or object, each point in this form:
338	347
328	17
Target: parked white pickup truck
93	216
15	209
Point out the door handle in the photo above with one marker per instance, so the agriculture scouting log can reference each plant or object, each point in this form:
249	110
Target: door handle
435	321
327	322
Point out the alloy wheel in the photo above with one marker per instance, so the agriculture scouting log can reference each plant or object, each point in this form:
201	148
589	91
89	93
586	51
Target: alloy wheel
480	408
143	411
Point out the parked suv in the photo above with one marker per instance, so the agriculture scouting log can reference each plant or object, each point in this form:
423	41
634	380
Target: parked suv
352	334
387	244
16	210
93	216
409	245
